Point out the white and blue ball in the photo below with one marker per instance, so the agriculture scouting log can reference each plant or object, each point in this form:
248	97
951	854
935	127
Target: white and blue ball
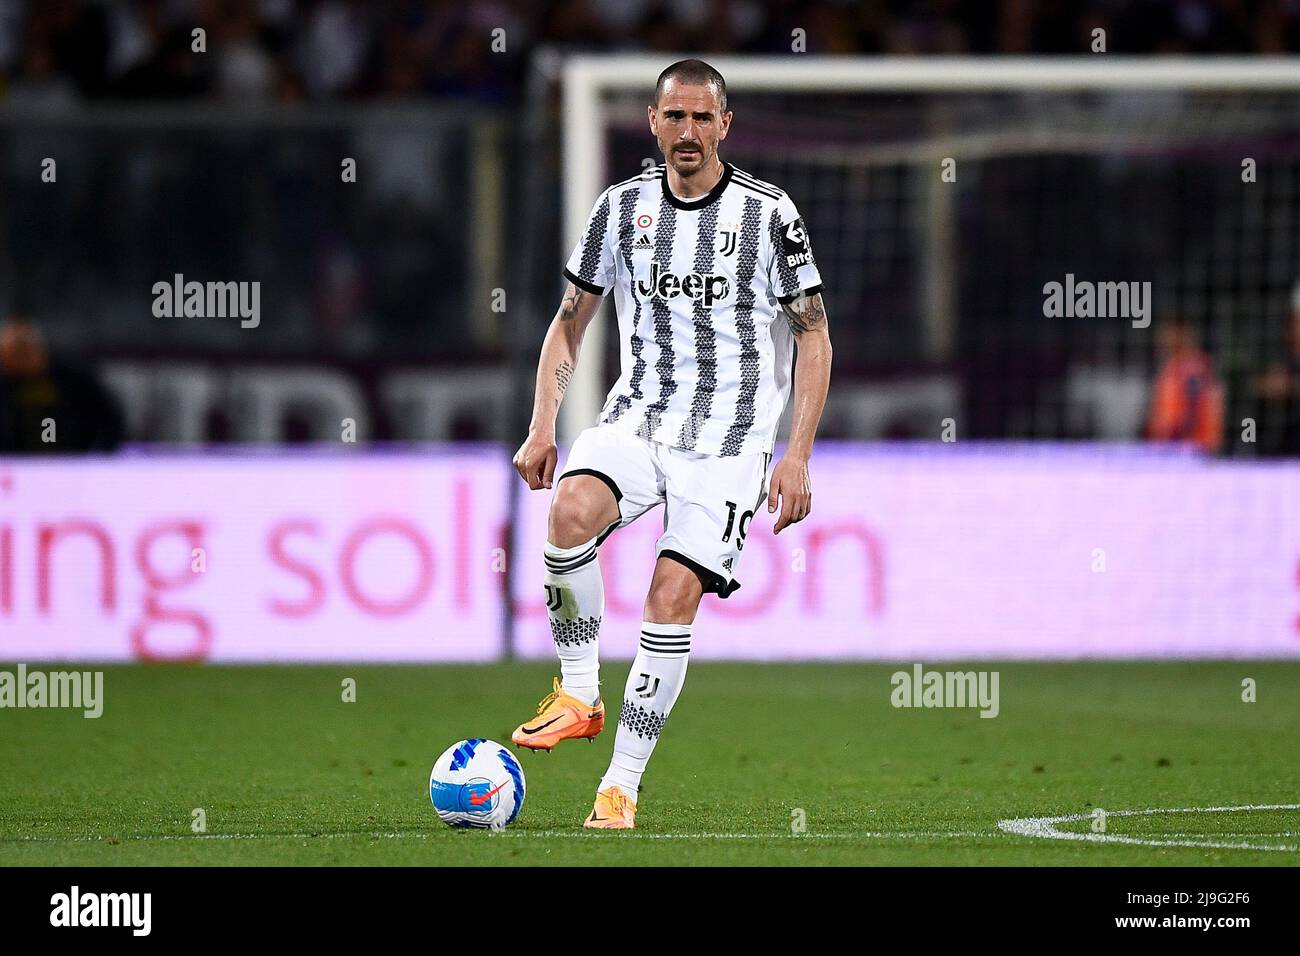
477	783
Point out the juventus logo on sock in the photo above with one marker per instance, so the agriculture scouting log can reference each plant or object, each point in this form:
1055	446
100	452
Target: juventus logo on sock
642	691
561	602
554	597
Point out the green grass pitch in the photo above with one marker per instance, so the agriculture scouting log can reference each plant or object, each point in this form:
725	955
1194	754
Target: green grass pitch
288	773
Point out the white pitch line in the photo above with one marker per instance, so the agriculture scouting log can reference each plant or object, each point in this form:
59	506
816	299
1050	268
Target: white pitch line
1223	833
1042	827
1045	828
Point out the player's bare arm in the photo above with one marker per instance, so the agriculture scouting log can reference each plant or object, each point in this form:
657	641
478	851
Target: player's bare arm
791	483
535	460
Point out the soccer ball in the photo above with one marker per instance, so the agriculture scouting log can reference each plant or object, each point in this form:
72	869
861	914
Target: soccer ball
477	783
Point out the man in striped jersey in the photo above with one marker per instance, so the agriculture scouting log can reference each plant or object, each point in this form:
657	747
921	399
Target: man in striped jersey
714	284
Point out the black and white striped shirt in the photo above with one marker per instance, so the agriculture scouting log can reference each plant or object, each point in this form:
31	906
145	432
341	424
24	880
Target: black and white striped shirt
697	286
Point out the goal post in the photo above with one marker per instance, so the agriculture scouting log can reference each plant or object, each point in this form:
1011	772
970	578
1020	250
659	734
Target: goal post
923	113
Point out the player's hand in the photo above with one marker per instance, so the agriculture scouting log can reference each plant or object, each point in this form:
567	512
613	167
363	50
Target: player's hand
791	482
535	460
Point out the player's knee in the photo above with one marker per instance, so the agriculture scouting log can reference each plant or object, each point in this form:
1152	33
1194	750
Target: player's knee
573	518
674	598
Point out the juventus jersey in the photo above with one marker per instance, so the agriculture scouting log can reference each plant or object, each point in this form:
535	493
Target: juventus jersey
698	283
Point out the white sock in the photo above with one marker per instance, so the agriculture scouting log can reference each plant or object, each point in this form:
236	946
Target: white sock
653	684
575	601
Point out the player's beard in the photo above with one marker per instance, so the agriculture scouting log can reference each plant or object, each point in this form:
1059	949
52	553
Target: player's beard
694	163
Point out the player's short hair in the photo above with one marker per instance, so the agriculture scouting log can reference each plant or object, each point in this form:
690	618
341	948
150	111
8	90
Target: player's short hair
694	73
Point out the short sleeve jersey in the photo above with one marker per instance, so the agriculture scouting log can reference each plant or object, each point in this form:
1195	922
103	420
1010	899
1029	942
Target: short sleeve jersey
698	287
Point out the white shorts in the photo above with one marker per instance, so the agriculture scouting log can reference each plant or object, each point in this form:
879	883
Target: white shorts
709	500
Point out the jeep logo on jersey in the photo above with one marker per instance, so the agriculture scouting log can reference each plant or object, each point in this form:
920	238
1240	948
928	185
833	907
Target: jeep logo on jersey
706	287
795	246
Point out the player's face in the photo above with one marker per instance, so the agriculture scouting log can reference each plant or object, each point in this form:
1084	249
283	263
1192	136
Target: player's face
688	123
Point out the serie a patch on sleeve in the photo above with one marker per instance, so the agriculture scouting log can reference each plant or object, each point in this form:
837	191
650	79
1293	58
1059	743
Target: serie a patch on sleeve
795	245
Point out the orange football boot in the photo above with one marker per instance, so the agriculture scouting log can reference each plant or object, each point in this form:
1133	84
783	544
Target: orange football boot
560	717
614	810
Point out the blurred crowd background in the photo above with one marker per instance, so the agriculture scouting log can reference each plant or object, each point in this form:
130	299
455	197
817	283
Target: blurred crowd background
281	50
413	300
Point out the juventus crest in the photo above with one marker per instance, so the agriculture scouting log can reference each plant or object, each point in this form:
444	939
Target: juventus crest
727	239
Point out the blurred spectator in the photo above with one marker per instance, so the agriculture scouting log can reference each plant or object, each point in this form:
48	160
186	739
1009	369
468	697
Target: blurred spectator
246	70
39	86
78	35
169	71
1187	397
41	399
1278	392
334	39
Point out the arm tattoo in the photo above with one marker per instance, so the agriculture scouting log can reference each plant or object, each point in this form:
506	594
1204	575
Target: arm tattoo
806	314
563	375
573	300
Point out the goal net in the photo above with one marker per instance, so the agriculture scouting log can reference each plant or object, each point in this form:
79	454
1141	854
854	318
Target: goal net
944	196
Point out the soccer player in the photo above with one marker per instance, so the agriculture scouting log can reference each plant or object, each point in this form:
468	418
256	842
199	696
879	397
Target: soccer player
715	284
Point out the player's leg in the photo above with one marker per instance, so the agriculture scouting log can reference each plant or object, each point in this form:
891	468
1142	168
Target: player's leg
589	503
583	508
710	502
653	684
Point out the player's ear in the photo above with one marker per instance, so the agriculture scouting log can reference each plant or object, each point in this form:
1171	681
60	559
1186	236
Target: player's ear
726	125
653	116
